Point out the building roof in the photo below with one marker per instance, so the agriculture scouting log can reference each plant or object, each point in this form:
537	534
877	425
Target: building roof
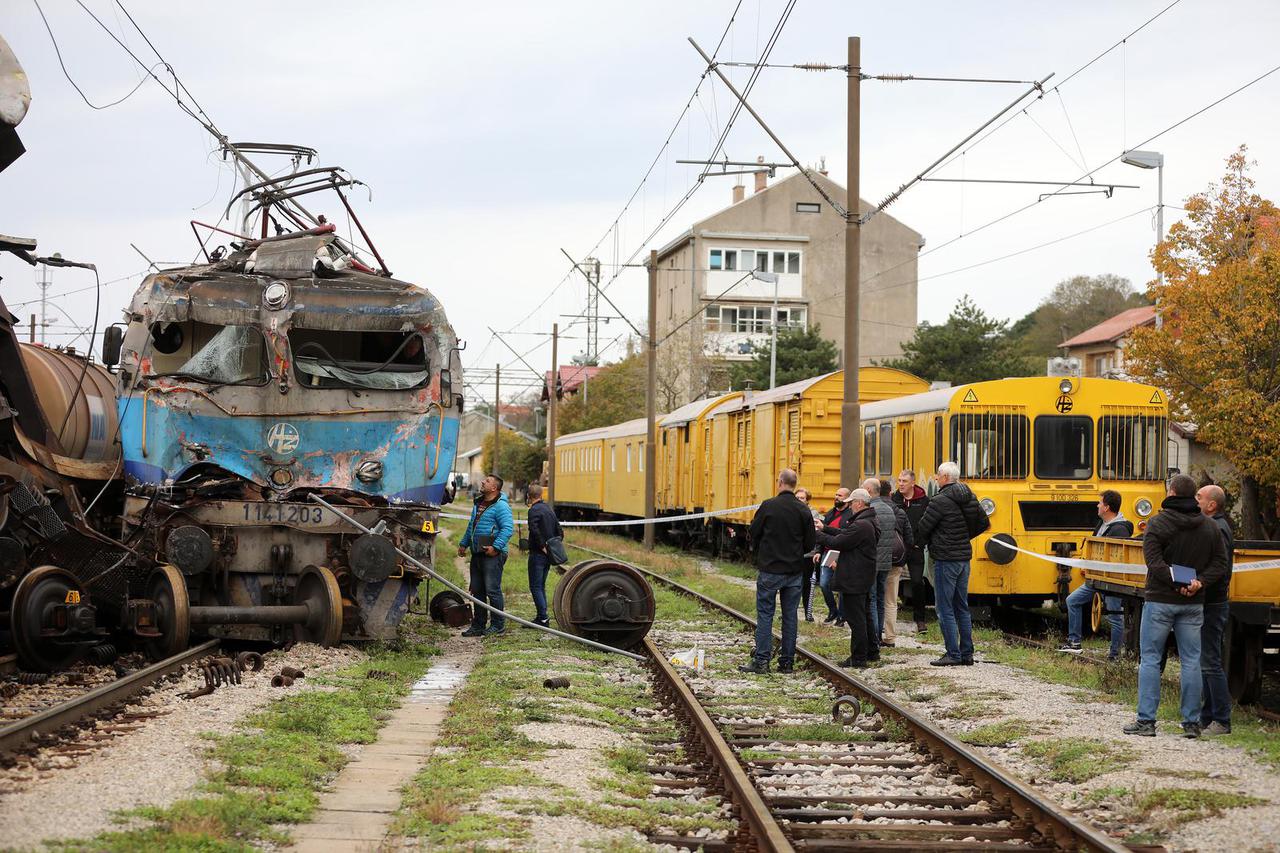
475	413
571	378
1114	328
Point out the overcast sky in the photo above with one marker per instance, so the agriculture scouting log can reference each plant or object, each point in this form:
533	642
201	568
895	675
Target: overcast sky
493	134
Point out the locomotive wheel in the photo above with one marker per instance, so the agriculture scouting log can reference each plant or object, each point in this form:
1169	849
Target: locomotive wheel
557	604
167	589
318	589
41	588
605	601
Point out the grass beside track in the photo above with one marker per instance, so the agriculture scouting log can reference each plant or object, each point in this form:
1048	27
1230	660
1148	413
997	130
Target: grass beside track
269	771
481	787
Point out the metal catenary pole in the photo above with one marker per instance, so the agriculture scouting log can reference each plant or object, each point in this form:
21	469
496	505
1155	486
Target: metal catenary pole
651	399
551	415
850	412
497	416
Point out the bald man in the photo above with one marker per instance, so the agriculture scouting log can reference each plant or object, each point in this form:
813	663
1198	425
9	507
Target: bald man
1215	713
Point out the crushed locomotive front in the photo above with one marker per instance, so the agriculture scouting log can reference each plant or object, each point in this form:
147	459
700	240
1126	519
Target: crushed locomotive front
277	372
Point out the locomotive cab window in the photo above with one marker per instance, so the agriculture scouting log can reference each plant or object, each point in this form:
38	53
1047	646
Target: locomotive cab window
1064	447
207	353
383	361
1132	447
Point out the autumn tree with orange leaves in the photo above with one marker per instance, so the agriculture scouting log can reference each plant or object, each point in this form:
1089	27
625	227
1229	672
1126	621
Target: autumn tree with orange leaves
1218	350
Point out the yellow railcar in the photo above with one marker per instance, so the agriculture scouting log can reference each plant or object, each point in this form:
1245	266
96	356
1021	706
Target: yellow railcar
683	476
579	484
601	471
1253	627
1038	452
792	426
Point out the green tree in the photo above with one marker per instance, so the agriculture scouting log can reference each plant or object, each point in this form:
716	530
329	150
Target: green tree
1075	304
1218	350
519	460
969	347
802	353
616	395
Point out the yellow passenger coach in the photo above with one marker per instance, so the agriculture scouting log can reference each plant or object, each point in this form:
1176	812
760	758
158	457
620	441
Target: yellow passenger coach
1038	452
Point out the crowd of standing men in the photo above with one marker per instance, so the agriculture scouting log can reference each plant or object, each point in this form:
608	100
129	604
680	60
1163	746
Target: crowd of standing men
857	553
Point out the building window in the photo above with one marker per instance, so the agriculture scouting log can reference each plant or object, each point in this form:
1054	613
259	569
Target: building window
793	263
731	259
808	207
752	319
717	259
753	259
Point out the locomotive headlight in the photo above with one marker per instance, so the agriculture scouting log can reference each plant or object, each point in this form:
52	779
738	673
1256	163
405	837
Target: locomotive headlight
1065	387
369	471
1143	507
281	477
988	506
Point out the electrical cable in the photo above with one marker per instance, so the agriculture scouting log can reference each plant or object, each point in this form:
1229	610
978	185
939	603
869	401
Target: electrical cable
65	73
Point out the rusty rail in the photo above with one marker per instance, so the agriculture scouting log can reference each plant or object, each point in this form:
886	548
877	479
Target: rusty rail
1056	826
764	830
19	735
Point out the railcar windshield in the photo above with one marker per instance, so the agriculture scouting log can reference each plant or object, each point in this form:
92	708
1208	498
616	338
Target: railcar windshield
383	361
1133	447
216	355
1064	447
990	446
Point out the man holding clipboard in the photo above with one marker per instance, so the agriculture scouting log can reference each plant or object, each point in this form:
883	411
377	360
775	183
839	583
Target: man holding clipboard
1184	553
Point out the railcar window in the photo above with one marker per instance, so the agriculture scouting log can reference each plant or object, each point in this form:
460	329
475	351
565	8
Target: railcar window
868	451
886	449
384	361
937	443
1132	447
990	446
1064	447
202	352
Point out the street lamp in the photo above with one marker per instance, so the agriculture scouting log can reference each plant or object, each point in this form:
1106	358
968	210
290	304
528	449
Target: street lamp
1152	160
768	277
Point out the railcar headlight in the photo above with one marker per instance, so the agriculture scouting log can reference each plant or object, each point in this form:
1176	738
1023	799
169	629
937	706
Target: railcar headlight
1143	507
1065	386
988	506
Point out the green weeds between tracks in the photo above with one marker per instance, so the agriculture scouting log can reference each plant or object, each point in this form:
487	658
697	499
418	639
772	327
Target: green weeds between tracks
1079	759
271	767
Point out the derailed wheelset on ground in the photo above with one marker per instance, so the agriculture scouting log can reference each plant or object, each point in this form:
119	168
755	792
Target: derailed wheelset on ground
605	601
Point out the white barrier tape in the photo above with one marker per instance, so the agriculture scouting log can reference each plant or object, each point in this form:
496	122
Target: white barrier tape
1125	568
624	522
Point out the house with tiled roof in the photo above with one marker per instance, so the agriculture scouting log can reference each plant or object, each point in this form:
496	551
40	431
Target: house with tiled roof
1101	348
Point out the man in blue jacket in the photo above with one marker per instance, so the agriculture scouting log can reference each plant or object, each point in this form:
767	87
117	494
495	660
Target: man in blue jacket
488	533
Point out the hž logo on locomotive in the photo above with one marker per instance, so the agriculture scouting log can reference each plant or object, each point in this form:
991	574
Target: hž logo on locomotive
283	438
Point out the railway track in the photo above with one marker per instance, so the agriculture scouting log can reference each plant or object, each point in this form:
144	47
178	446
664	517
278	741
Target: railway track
895	783
29	731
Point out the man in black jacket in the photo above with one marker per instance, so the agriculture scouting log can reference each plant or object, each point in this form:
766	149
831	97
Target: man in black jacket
1111	524
543	525
854	576
1179	539
832	521
952	518
781	534
914	502
1215	713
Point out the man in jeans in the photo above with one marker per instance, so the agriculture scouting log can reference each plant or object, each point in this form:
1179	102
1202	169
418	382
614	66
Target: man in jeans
1113	524
855	575
488	533
543	525
914	502
832	522
1178	538
886	522
1215	714
782	532
951	520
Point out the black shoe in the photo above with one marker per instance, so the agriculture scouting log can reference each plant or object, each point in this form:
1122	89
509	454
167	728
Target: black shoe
786	666
886	644
1191	730
808	617
921	626
946	660
473	632
1145	728
755	666
495	631
966	661
839	623
850	663
544	622
831	617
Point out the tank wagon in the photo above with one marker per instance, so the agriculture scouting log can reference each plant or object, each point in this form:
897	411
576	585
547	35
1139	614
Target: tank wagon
249	383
